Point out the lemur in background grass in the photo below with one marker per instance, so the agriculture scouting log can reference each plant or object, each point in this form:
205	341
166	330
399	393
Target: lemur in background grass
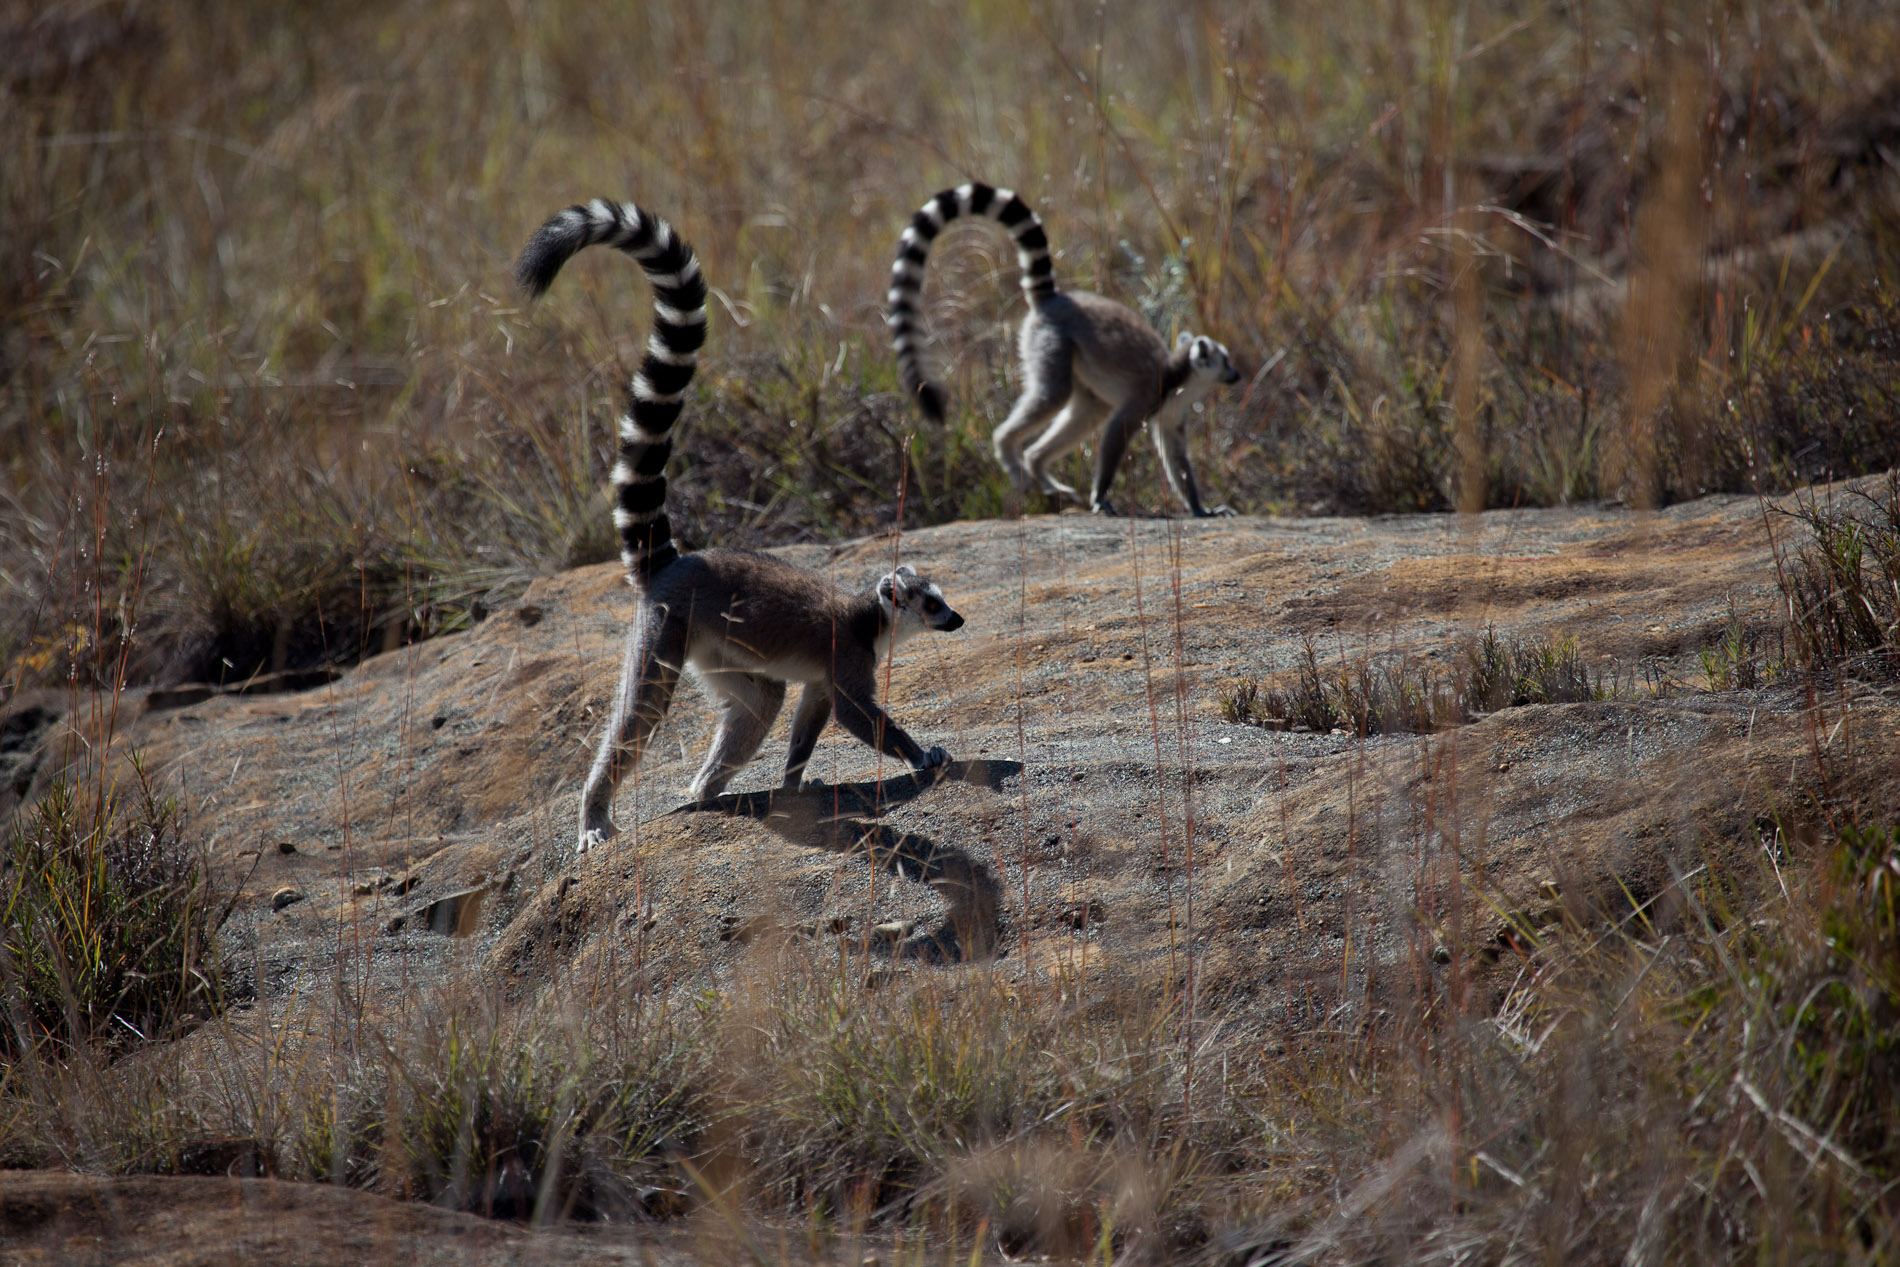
1091	364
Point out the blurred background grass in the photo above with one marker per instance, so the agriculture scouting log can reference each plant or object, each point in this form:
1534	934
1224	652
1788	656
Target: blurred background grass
268	395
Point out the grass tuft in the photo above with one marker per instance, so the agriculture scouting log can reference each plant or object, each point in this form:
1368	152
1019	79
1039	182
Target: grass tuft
107	924
1368	695
1843	586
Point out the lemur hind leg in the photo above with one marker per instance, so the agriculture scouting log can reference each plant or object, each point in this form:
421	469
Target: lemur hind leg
1079	420
748	704
1048	378
656	650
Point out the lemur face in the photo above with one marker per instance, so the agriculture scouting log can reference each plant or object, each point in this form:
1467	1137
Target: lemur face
1210	358
912	604
1208	361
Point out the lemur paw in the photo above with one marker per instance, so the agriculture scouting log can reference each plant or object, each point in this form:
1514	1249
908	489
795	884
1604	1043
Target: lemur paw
593	837
1104	507
934	759
1219	512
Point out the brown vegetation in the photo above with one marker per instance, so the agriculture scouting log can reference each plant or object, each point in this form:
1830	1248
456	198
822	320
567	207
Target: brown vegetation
265	389
1554	919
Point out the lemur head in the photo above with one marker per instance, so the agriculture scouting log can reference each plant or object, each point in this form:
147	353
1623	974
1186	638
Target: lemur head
912	605
1207	361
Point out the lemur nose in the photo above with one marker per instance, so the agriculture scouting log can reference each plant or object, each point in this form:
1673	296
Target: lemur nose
954	622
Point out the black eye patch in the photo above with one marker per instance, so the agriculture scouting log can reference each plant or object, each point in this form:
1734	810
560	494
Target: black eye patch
932	606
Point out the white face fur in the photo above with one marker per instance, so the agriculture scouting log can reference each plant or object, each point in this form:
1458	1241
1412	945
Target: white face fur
1208	361
912	606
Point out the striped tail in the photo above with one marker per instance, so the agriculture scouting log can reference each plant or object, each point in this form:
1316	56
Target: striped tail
907	274
659	386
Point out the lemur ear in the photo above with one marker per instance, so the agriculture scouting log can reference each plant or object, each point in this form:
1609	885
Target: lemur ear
896	586
1183	339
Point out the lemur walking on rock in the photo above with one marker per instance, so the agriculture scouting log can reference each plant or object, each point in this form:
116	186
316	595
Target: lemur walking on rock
1091	364
746	623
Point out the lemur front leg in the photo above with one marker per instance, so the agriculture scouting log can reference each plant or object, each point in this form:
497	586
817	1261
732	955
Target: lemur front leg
856	706
1172	447
1109	450
808	722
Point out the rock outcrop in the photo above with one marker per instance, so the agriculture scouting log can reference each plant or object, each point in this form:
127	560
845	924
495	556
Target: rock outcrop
1100	818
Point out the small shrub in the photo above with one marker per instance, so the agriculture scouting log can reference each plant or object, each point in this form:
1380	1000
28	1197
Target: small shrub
1835	996
875	1099
106	934
1740	658
1010	1107
1821	401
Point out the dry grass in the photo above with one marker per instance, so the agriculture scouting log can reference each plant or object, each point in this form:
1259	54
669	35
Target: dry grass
1841	582
1690	1085
259	349
107	922
1363	694
266	401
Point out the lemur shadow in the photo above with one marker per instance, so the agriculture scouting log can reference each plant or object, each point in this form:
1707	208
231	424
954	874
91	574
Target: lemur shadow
827	816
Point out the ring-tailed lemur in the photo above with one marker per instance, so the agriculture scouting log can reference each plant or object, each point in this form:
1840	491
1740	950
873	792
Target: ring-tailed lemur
746	623
1088	362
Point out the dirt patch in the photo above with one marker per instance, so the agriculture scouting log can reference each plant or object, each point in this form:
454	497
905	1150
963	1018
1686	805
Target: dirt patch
74	1220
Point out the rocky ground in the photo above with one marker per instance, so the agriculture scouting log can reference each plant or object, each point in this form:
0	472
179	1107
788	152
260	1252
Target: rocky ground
410	824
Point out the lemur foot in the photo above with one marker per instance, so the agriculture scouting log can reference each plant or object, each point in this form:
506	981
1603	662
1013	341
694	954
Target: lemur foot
1056	488
935	759
595	836
1219	512
1103	506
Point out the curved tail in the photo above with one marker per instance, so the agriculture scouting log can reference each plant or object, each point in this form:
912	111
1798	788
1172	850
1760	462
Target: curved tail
907	274
659	386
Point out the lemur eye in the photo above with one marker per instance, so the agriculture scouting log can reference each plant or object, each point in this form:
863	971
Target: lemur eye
932	606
